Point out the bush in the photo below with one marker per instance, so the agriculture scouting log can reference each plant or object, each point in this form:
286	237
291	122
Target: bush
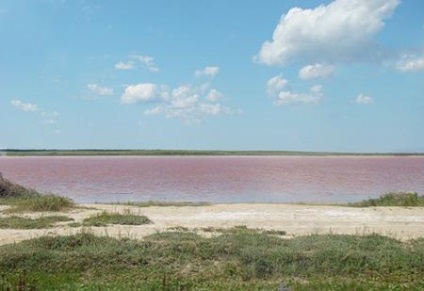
393	199
11	190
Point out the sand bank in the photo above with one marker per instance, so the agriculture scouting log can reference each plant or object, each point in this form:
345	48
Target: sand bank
397	222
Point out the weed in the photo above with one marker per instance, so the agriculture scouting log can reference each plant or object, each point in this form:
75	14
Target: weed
105	218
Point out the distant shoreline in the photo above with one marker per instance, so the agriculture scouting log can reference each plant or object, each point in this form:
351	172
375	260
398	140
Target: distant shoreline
92	152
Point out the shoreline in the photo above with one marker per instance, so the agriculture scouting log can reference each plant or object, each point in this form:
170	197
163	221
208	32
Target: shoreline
402	223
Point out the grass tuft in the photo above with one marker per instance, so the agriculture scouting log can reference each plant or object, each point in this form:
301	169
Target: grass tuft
41	203
105	218
15	222
407	199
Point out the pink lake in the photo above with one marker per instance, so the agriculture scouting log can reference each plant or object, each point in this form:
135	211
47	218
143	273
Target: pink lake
217	179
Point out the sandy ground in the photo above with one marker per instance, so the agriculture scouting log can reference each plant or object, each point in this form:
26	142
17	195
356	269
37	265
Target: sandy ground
398	222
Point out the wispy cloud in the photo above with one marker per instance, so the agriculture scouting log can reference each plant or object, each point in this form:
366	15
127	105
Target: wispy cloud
410	63
47	117
207	71
316	71
147	61
99	90
125	66
132	62
314	96
27	107
364	99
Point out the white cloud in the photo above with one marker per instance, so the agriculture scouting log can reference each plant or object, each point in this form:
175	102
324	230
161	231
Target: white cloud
147	61
207	71
364	99
47	118
410	63
314	96
275	85
341	31
143	92
125	66
102	91
214	95
191	104
133	60
27	107
184	102
316	71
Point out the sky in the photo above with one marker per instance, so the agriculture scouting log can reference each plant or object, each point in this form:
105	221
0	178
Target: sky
342	75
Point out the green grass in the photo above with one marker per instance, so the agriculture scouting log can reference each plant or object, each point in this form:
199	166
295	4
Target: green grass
408	199
23	199
153	203
9	190
40	203
239	260
105	218
15	222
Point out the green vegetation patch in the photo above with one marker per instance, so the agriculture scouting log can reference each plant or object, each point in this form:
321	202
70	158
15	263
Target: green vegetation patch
12	190
15	222
24	199
40	204
105	218
238	260
408	199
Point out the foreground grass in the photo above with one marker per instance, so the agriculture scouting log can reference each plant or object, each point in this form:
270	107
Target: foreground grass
15	222
105	218
407	199
237	260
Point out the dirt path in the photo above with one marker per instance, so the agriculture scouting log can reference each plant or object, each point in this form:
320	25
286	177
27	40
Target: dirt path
296	220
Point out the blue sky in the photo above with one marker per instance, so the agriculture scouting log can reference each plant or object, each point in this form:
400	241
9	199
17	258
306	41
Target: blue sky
238	75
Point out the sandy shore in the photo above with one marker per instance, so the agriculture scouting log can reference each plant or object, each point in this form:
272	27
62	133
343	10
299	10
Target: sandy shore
397	222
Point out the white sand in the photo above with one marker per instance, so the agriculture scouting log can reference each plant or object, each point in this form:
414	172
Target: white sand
398	222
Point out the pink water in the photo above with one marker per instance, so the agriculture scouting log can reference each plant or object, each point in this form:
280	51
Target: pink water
217	179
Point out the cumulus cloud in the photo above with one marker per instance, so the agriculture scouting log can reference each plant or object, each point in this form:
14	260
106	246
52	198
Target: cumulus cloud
207	71
186	102
190	103
364	99
316	71
143	92
275	90
341	31
314	96
27	107
410	63
275	85
102	91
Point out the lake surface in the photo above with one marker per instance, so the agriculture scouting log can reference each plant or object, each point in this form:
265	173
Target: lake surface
217	179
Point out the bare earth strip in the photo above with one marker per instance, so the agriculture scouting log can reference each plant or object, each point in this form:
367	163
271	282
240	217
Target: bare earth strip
397	222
